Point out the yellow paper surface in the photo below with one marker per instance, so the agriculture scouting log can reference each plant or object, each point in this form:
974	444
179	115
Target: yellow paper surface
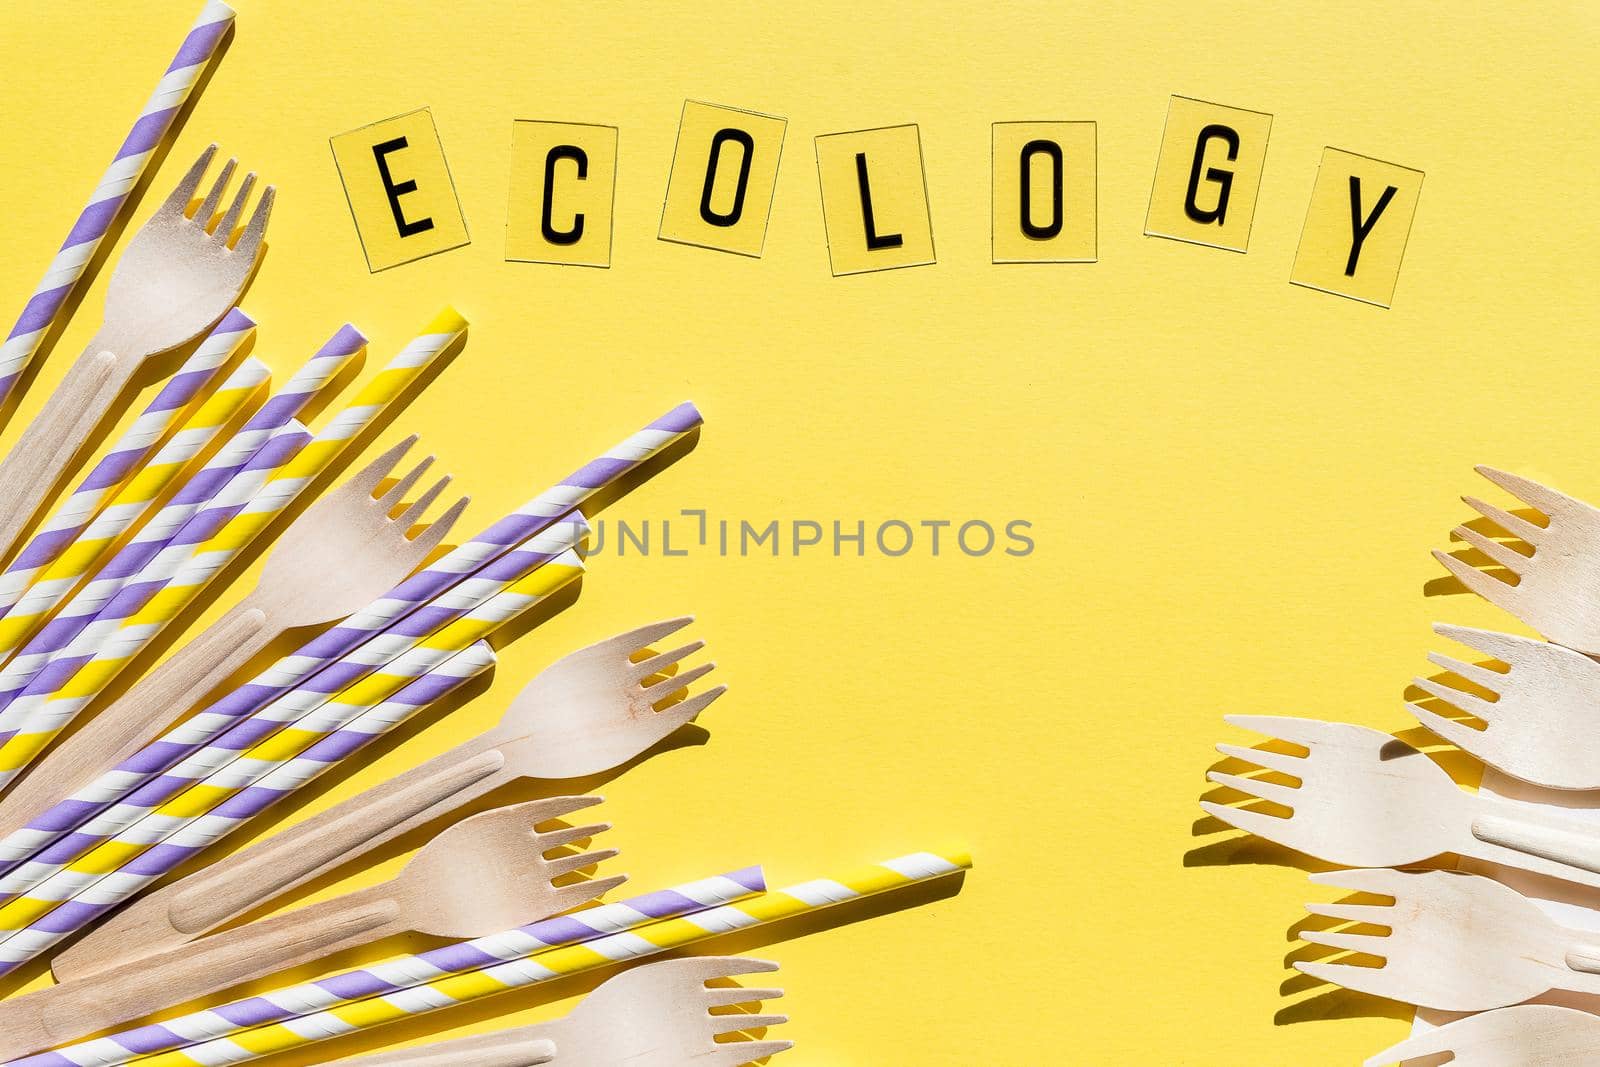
1234	481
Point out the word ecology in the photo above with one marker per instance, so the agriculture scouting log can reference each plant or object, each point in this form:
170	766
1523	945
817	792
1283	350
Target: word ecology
874	196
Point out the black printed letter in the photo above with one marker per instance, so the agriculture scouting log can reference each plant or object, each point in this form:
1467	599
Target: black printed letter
395	192
744	140
581	158
875	240
1053	227
1361	229
1223	178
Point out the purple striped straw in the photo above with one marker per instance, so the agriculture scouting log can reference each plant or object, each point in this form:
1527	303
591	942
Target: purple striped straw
111	194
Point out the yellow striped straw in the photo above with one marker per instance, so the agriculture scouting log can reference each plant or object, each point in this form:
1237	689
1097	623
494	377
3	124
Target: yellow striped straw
130	501
179	825
280	491
654	939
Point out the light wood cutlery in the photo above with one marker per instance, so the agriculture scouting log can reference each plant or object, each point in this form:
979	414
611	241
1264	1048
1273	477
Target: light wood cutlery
1541	717
1456	942
658	1015
1530	1035
484	875
588	712
1368	799
1557	588
176	278
342	553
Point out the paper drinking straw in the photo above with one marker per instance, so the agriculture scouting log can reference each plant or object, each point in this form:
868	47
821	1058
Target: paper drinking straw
110	196
184	740
537	967
125	864
601	920
193	380
143	567
132	500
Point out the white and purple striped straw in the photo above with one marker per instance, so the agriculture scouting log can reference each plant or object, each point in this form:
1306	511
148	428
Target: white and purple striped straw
111	195
202	506
198	375
408	972
293	670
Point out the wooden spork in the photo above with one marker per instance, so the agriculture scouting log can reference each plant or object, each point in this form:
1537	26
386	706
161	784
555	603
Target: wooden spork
1368	799
342	553
1529	1035
588	712
176	278
1456	942
484	875
656	1015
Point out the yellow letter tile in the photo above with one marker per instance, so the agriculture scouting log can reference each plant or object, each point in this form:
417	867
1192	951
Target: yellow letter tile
1356	227
562	178
1208	174
1044	192
719	194
399	189
874	199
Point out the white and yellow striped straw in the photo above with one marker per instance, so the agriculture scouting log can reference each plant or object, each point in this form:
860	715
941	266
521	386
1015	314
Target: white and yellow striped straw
132	500
146	850
535	968
170	407
127	625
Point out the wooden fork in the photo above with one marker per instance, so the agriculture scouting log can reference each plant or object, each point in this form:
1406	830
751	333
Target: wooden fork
1368	799
1556	587
1456	942
587	712
337	557
485	874
657	1014
1531	1035
176	278
1542	716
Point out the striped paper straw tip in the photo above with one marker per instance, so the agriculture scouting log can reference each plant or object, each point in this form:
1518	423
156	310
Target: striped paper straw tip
448	320
110	195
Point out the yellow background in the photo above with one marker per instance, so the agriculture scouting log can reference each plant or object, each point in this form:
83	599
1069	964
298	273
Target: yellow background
1234	481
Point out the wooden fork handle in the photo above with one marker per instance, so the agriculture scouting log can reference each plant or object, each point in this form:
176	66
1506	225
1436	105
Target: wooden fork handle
508	1048
1542	842
47	447
76	1009
248	879
134	720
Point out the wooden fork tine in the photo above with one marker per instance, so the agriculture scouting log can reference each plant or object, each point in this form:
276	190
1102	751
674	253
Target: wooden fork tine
1370	944
1482	677
1509	558
728	996
556	807
1272	761
568	834
738	1021
1433	1043
177	203
655	664
685	710
1459	734
439	528
645	636
224	228
1503	647
708	967
1307	733
1372	980
580	893
411	515
568	864
1372	914
1496	592
368	477
662	690
1255	787
1269	827
1515	525
397	492
1539	496
208	208
256	231
1456	698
